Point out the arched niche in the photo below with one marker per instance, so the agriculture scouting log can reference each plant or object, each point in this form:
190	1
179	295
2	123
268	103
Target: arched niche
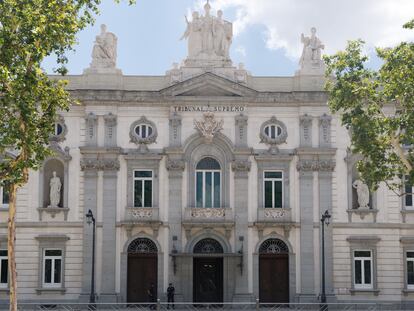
51	166
221	150
58	163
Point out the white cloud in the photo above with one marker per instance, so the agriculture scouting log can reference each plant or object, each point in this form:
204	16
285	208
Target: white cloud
378	22
241	50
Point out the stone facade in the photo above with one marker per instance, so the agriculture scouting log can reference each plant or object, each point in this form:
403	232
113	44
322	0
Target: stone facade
249	127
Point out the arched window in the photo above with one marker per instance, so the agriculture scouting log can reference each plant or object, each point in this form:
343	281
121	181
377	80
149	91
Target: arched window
273	246
208	183
142	245
208	246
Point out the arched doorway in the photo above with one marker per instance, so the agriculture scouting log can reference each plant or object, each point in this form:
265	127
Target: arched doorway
208	271
142	269
273	271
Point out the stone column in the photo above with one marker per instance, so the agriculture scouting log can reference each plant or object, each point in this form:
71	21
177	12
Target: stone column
90	168
325	203
108	255
175	169
241	168
307	262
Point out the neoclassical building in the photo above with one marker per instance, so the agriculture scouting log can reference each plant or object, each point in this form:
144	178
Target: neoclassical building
210	178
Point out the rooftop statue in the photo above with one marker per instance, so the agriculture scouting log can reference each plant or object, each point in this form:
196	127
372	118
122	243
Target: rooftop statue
104	53
209	37
311	60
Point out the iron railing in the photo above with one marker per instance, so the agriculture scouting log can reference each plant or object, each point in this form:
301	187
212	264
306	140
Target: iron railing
219	306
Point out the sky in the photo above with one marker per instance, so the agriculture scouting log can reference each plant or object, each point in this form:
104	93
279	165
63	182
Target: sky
266	32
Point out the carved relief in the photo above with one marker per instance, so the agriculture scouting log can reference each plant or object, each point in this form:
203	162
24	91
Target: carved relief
175	165
91	124
99	164
175	129
306	130
110	129
141	213
325	130
315	165
274	213
208	213
241	165
209	126
241	129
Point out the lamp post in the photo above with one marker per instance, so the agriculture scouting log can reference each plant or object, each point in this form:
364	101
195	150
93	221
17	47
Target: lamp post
324	221
90	219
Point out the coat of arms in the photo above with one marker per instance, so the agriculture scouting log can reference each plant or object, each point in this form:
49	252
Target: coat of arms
208	127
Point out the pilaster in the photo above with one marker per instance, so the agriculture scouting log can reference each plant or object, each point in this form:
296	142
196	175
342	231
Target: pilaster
175	167
108	293
90	203
307	271
241	168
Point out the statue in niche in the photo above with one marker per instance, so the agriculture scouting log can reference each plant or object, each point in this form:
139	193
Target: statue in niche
55	188
362	193
209	37
312	47
104	50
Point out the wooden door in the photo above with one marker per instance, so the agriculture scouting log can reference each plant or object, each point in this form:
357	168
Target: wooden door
208	280
142	272
274	278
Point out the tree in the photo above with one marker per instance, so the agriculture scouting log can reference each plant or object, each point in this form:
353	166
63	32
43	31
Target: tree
31	30
377	107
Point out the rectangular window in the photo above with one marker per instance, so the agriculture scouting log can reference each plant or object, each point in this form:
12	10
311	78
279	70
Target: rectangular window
410	270
4	196
208	186
363	269
52	268
408	191
273	189
4	269
142	188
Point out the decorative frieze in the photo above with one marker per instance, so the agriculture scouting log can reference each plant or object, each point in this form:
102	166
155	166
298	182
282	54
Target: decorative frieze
306	130
141	213
315	165
241	130
274	213
110	129
325	130
241	165
99	164
175	129
91	123
175	165
208	213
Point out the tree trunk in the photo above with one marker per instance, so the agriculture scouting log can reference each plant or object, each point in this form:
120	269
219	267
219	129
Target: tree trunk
11	248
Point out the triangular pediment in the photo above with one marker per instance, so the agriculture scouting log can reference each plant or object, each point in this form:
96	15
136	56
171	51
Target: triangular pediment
208	84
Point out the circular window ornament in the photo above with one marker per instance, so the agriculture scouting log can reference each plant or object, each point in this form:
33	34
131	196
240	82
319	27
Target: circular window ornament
143	132
60	130
273	132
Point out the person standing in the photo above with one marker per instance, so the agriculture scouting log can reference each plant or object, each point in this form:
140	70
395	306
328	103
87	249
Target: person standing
170	295
151	296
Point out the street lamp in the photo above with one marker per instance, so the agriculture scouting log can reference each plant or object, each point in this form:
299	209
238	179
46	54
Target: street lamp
90	219
324	221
